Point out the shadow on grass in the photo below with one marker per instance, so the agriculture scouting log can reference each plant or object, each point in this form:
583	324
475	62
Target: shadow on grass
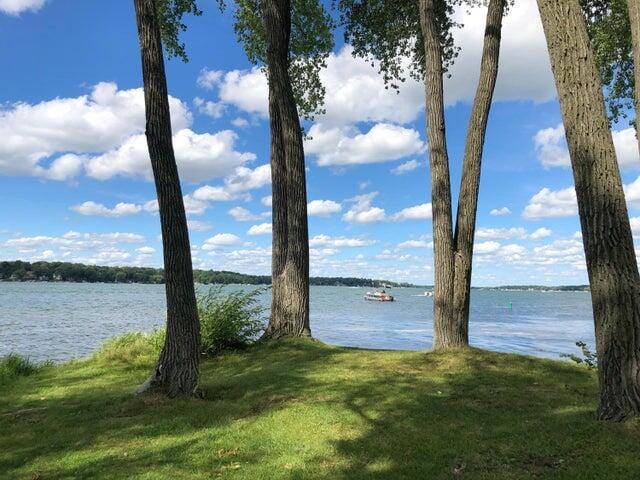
369	414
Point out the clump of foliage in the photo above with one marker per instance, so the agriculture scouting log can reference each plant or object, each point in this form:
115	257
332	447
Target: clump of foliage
133	348
229	322
13	366
610	34
170	17
311	42
589	358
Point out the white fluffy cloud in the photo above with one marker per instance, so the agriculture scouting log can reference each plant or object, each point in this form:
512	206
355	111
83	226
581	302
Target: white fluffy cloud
211	109
245	89
323	208
501	233
339	242
241	214
406	167
355	89
498	212
348	146
549	203
260	229
236	186
33	134
199	226
362	211
551	147
541	232
90	248
120	210
221	240
417	212
16	7
200	156
520	76
422	243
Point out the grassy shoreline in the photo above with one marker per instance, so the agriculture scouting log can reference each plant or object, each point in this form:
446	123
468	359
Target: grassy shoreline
305	410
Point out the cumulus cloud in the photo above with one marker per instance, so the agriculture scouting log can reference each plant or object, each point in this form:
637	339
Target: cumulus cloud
497	212
267	201
406	167
339	242
422	243
261	229
417	212
200	156
501	233
355	89
323	208
241	214
211	109
34	135
348	146
362	211
198	225
632	193
551	147
245	89
549	203
236	185
98	209
16	7
541	232
520	77
221	240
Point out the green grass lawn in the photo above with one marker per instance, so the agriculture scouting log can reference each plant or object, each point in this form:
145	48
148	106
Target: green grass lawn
304	410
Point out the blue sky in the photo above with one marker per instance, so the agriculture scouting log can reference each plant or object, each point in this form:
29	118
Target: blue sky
75	180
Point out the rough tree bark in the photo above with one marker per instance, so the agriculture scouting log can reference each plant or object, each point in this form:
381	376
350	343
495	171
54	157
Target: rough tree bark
471	167
290	245
177	369
453	253
634	20
608	244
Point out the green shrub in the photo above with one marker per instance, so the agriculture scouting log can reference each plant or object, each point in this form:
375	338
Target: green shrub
588	359
13	366
229	322
135	348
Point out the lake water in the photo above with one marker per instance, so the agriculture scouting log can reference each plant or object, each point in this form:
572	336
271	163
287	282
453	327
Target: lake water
59	321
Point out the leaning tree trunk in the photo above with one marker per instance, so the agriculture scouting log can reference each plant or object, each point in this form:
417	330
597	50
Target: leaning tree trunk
608	244
634	20
470	183
444	332
290	246
177	369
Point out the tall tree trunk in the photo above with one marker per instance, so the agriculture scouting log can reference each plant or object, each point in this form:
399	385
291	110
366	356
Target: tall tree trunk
444	333
470	183
290	246
453	255
608	244
177	369
634	20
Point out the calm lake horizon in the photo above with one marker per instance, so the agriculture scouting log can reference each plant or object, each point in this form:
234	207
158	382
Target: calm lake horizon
62	321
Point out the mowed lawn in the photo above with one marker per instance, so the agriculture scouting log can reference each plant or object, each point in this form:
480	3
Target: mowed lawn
305	410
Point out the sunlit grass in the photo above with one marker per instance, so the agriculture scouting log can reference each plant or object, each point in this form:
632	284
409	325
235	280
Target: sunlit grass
301	409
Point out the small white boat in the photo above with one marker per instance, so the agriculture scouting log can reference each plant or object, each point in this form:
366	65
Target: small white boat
428	293
379	296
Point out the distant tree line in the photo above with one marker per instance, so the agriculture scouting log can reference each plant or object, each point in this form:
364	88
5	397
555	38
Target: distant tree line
19	271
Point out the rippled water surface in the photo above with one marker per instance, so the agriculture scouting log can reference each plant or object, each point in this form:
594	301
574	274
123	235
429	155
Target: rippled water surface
59	321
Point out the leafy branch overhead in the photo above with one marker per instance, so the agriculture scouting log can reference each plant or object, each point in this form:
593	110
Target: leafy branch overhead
389	31
310	44
610	34
170	17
